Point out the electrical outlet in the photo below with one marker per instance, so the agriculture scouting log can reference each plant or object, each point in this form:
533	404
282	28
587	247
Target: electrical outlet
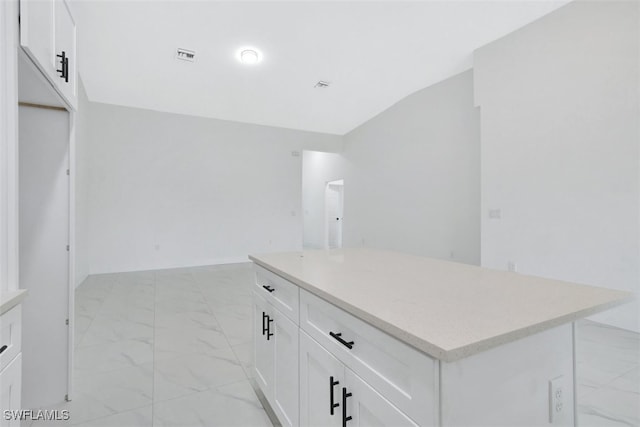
512	266
495	213
556	399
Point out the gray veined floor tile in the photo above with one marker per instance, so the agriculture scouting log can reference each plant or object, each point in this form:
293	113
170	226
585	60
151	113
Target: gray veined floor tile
236	323
219	301
195	372
112	356
172	294
170	343
140	417
181	306
108	329
231	405
186	320
109	393
244	354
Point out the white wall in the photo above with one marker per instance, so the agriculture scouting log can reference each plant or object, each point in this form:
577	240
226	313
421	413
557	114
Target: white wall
318	168
560	159
168	190
412	175
81	170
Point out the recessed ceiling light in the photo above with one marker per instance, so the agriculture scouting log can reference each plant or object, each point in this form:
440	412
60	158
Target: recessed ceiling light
249	56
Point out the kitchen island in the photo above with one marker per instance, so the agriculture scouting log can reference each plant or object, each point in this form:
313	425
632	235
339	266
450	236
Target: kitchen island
363	337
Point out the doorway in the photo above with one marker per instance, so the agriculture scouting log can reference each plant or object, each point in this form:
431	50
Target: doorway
334	209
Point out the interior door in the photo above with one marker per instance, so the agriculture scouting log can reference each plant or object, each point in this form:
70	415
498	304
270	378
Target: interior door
334	200
44	256
321	382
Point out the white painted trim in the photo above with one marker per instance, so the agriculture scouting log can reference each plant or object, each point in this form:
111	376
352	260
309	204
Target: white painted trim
9	267
575	375
72	248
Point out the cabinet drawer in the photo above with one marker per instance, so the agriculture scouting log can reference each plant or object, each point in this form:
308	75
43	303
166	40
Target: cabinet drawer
11	390
10	335
279	292
400	373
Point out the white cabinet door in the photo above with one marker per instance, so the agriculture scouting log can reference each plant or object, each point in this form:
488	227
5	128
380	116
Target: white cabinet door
65	41
37	26
285	378
321	382
11	390
263	350
367	407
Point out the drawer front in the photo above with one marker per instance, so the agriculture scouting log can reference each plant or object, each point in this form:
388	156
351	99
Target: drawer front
279	292
10	335
11	390
400	373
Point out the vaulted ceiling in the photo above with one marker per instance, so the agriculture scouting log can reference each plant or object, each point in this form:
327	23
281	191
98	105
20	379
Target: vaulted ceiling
372	53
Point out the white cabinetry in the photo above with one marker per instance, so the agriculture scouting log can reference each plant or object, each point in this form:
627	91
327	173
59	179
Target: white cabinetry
65	42
331	394
48	36
350	373
10	364
276	359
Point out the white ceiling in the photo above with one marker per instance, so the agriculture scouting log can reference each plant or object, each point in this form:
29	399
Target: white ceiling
373	53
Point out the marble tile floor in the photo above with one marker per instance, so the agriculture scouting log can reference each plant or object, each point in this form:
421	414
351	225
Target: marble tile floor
164	348
172	348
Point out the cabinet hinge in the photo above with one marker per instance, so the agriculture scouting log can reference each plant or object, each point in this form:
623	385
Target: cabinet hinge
68	172
67	248
66	322
66	398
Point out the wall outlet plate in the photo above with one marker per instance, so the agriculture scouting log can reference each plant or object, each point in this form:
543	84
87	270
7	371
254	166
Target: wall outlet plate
557	401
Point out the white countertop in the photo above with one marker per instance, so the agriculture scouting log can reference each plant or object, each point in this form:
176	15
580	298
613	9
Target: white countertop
445	309
8	300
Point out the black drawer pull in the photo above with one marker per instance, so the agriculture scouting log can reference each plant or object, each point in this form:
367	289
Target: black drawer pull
332	405
3	348
264	322
268	288
338	338
345	418
269	333
64	66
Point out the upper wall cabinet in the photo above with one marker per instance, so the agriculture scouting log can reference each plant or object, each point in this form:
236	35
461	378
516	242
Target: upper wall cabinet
48	36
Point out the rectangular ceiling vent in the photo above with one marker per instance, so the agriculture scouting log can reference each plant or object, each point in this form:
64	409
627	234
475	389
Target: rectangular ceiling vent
322	84
186	55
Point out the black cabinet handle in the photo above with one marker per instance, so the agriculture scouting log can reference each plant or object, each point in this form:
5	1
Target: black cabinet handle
332	405
268	288
264	322
345	418
269	333
4	347
64	66
338	338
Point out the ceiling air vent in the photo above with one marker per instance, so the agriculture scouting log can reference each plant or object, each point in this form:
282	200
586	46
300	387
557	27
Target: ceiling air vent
186	55
322	84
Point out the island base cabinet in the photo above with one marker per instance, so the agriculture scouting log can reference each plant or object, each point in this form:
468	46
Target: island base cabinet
321	382
333	395
509	385
263	360
276	360
367	407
